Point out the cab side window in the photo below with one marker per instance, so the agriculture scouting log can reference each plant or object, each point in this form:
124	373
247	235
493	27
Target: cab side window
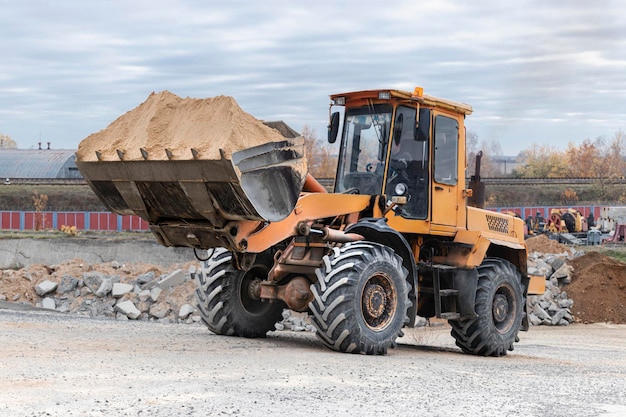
446	150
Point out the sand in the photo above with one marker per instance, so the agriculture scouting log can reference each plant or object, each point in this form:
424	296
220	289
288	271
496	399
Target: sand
167	121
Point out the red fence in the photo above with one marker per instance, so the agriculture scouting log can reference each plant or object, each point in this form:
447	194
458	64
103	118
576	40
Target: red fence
544	211
82	220
105	221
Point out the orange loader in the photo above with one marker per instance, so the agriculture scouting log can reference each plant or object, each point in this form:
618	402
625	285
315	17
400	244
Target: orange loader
402	235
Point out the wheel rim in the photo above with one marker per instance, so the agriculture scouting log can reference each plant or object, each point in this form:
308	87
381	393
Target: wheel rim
379	301
503	309
251	304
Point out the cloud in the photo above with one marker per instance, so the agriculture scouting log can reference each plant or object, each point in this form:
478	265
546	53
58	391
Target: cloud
533	71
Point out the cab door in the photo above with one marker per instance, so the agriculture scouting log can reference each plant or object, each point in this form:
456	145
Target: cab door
445	179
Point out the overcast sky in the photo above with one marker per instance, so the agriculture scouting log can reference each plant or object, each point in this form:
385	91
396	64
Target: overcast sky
535	71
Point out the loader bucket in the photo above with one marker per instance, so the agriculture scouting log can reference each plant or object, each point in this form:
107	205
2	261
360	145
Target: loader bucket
194	202
272	177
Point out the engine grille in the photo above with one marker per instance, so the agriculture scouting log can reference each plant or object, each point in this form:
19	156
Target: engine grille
498	224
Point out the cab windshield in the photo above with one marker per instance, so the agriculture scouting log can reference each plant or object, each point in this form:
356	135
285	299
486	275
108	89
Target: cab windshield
362	162
366	135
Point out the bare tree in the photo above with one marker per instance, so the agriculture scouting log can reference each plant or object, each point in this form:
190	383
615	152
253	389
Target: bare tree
321	161
492	154
609	165
6	142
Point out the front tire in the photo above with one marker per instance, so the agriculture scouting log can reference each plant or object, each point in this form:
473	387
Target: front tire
360	299
224	300
500	307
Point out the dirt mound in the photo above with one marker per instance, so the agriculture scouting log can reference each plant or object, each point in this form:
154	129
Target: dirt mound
167	121
598	289
543	244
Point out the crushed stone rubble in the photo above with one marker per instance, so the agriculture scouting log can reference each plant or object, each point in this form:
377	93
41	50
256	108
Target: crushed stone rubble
169	297
96	294
553	307
149	296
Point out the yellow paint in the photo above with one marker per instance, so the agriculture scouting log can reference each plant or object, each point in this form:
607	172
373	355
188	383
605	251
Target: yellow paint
479	243
496	225
309	207
537	285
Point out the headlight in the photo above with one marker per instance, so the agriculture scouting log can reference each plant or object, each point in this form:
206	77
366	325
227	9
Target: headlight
400	189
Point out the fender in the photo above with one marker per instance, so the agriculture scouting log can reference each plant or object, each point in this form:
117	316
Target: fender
377	230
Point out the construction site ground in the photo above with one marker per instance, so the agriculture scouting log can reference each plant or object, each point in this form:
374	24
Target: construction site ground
57	364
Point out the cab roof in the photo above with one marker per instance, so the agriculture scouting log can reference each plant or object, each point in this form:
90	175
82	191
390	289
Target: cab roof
417	95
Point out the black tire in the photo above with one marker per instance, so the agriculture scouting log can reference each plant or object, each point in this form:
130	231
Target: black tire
500	308
225	305
360	299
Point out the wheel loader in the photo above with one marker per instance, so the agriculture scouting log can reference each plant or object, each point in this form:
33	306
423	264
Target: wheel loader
401	236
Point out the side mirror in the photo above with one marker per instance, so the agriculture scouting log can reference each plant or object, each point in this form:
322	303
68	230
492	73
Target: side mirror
397	129
333	127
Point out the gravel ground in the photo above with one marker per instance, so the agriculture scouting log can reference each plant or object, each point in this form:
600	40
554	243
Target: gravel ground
57	365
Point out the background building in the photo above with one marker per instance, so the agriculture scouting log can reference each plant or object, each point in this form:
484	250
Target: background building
40	163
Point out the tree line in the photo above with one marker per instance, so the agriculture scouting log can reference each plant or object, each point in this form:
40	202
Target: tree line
598	158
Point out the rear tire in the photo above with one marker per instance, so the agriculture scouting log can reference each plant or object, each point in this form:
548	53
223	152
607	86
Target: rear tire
360	299
225	305
500	308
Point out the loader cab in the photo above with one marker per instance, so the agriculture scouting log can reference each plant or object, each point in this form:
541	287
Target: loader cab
366	132
406	147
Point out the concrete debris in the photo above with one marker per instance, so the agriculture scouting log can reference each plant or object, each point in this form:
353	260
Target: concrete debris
297	322
564	273
146	278
68	284
108	290
99	283
105	287
185	311
45	287
128	309
553	307
175	278
160	310
155	293
48	303
117	294
93	280
120	289
143	295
